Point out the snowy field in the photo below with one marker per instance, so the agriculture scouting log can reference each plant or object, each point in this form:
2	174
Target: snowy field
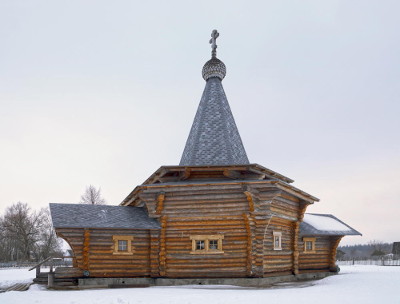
354	284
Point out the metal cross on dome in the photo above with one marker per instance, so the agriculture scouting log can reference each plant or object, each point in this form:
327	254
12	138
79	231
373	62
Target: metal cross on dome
213	42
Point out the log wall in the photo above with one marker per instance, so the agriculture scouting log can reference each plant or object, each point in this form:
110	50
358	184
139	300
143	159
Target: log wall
321	259
189	212
278	262
245	214
96	253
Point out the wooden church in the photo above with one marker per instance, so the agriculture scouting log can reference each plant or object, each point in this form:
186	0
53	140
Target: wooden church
215	215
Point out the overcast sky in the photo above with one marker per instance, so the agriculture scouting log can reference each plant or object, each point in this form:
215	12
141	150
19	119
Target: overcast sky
105	92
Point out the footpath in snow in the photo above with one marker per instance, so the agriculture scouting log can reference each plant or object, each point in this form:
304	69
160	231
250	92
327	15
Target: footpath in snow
354	284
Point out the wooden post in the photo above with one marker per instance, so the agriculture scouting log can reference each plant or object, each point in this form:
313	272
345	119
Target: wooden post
85	253
154	253
37	271
332	262
163	259
249	245
160	203
258	223
249	200
296	254
296	231
50	279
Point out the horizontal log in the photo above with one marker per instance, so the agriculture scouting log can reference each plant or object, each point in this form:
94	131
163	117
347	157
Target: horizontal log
276	273
177	257
207	272
205	266
120	267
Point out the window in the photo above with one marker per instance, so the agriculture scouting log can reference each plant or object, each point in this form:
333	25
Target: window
206	244
309	245
200	245
122	244
213	244
277	237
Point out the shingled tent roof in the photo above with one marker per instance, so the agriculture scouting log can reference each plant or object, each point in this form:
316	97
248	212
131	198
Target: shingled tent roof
324	224
100	216
214	138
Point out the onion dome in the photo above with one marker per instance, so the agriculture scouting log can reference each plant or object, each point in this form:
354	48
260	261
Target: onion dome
214	68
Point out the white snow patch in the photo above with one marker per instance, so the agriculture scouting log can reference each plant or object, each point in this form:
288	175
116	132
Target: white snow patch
11	276
324	223
355	284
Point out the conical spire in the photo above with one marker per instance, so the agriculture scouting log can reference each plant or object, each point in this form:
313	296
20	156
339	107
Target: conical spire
214	138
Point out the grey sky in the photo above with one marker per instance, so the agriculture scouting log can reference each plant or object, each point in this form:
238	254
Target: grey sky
104	93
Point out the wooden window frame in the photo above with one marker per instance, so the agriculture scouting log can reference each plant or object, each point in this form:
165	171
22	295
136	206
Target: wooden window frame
279	235
128	238
312	240
207	239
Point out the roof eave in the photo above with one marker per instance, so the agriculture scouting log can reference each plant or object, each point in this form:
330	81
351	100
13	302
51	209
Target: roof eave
304	196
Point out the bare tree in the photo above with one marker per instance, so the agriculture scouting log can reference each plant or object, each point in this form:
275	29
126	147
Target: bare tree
92	196
21	228
48	243
27	234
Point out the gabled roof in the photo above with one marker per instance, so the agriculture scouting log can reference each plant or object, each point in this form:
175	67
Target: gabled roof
324	224
100	216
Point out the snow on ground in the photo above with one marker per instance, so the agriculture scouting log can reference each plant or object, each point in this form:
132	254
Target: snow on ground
11	276
355	284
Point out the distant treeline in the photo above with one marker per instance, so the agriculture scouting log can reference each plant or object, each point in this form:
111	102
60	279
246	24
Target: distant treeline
374	249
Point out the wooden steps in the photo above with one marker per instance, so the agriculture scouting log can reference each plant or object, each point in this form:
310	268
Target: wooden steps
63	281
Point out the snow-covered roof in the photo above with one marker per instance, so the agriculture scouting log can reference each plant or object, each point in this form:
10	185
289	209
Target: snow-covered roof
325	224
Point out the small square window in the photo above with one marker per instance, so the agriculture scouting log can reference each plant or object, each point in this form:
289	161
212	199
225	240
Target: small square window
200	245
213	245
309	245
122	245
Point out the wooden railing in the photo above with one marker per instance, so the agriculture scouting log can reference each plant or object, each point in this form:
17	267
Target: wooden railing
38	265
50	261
50	274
